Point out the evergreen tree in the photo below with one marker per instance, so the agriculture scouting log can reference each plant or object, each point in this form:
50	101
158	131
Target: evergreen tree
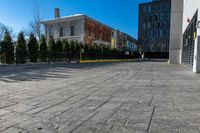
72	46
21	49
81	45
66	49
59	50
7	49
52	47
43	49
72	49
77	47
66	46
52	44
33	48
59	46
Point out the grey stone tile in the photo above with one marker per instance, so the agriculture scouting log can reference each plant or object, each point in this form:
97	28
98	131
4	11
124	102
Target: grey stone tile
105	97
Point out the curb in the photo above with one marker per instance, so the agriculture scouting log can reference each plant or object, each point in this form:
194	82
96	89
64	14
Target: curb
107	61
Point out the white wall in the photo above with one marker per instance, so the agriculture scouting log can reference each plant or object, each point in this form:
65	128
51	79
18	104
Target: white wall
190	7
79	28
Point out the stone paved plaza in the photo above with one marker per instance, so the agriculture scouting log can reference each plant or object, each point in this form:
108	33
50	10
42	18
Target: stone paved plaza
132	97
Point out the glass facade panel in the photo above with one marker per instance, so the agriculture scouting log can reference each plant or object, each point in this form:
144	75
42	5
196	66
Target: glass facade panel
149	9
155	26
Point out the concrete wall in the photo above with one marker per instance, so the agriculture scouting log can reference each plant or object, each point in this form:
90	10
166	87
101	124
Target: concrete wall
182	11
175	48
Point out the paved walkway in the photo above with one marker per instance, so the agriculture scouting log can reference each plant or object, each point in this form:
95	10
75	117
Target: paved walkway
134	97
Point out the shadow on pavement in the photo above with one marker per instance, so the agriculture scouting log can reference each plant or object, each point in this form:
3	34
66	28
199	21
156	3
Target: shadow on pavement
40	72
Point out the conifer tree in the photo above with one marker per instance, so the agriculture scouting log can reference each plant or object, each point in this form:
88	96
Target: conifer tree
33	48
66	46
59	50
21	49
43	49
72	46
7	49
59	46
52	44
52	48
66	49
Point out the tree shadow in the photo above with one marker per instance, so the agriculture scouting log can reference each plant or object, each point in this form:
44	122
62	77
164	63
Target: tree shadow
40	72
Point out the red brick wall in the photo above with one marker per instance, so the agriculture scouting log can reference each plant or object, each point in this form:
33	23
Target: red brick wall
94	27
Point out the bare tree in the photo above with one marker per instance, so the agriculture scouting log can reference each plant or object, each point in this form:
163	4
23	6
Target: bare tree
35	25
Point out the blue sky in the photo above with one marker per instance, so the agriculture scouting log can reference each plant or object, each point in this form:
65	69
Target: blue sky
119	14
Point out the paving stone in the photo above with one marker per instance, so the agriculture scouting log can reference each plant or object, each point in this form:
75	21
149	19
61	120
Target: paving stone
20	108
128	97
4	112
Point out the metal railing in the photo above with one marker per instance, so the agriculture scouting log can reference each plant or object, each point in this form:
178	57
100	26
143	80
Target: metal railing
65	56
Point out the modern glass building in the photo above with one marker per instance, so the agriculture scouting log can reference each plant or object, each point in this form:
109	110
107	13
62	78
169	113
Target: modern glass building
154	27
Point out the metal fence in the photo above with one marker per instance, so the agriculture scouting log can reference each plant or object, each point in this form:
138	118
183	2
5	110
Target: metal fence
71	56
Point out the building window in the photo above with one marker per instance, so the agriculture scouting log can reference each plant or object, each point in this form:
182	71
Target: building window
89	31
149	9
157	17
103	36
50	32
159	8
144	9
61	32
150	17
72	30
146	17
161	33
163	8
162	17
149	26
153	25
144	26
145	34
154	9
99	34
95	33
168	7
107	37
158	25
163	25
